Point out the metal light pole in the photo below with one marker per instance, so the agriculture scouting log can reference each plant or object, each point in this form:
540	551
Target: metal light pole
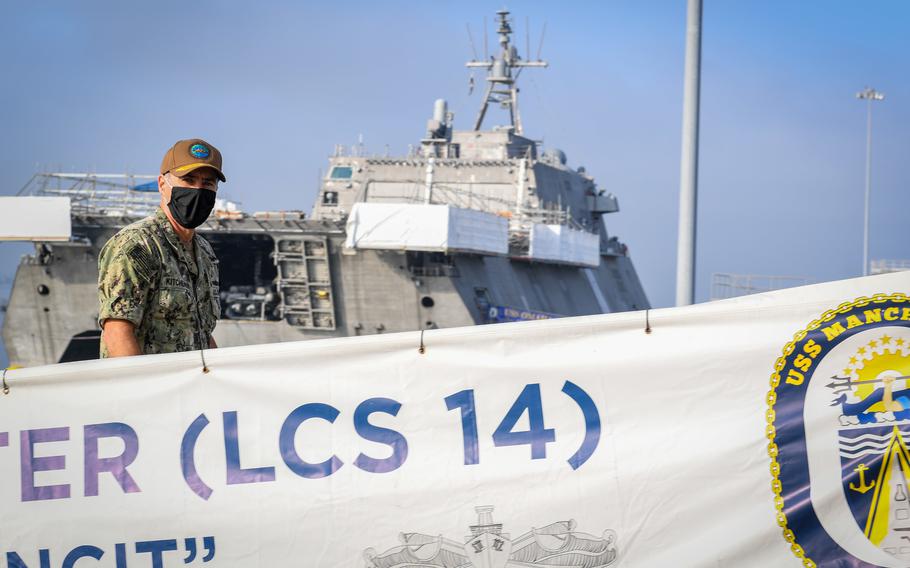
688	182
868	94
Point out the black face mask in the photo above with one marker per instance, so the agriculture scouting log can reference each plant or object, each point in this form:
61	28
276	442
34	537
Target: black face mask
191	207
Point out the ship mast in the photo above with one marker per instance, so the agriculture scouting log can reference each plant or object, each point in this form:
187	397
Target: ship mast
501	84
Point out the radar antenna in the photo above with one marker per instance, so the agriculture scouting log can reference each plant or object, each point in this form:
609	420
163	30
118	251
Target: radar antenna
501	84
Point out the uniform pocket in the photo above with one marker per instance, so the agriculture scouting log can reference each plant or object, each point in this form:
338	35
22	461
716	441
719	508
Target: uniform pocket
216	302
174	303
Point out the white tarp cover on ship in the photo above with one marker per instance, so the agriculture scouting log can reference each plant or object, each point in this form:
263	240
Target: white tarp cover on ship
30	218
436	228
562	244
763	431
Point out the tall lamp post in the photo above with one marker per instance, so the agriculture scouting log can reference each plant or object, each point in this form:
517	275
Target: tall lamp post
688	175
868	94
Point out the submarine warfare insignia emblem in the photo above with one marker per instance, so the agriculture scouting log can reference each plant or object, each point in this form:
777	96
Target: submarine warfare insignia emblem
839	436
557	544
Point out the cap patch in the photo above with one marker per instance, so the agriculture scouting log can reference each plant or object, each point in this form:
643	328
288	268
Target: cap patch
199	151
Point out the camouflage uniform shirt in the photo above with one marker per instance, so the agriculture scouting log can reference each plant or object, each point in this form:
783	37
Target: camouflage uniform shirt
147	276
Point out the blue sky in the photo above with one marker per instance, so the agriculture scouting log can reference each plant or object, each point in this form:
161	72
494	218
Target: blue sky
108	86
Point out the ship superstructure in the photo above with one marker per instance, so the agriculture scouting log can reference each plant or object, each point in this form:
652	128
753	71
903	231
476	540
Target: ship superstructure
473	226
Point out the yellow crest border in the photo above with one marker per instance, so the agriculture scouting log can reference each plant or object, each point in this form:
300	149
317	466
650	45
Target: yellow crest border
770	415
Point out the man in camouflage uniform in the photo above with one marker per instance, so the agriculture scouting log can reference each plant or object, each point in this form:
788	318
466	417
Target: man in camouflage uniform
157	278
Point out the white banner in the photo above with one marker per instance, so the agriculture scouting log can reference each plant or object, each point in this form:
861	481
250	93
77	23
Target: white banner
404	226
770	430
31	218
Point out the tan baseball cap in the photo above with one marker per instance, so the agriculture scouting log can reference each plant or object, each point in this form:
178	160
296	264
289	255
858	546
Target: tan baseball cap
188	155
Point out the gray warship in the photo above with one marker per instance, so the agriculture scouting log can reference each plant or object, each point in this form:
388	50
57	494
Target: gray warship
471	227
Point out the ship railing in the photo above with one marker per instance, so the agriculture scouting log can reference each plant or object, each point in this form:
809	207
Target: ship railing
520	218
883	266
725	285
467	199
447	195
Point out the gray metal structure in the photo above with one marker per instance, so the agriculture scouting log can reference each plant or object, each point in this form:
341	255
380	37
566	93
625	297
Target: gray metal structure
289	276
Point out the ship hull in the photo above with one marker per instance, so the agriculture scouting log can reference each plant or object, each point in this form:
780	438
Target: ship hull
52	313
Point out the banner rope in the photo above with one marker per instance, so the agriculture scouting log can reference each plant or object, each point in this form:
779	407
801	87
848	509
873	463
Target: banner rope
205	368
647	321
5	386
421	348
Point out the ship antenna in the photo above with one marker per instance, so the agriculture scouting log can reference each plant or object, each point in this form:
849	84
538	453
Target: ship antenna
471	39
474	53
501	84
485	50
528	38
543	33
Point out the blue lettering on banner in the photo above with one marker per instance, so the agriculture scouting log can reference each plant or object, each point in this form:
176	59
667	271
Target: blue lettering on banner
188	459
373	433
148	552
156	548
537	436
464	401
289	451
592	423
116	466
96	467
84	551
235	473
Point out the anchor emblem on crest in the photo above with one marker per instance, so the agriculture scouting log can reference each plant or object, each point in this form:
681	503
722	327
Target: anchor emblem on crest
863	486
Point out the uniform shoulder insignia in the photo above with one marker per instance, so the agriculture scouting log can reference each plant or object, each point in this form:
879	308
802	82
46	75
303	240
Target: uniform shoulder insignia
144	262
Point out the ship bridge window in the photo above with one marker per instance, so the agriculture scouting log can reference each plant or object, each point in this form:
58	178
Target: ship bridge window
342	172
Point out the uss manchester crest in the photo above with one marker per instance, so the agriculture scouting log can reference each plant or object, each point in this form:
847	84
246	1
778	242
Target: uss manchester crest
839	433
555	545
